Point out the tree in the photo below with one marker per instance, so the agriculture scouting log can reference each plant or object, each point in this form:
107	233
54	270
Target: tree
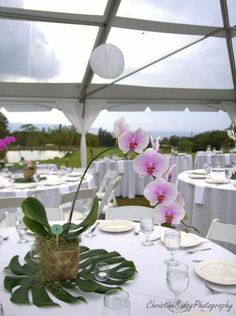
105	138
28	128
3	126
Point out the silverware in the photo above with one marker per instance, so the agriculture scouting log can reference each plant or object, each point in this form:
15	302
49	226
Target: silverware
136	232
155	239
197	260
4	237
94	227
198	250
214	291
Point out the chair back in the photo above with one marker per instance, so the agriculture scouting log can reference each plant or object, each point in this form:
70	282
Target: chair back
109	177
104	204
222	232
83	194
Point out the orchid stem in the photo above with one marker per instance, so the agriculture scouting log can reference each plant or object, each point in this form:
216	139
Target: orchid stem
80	183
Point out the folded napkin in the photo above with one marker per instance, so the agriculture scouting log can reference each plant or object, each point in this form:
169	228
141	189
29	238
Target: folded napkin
199	196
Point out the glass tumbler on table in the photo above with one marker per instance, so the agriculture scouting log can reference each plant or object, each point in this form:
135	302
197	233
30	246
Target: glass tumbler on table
147	227
21	230
177	278
172	241
116	303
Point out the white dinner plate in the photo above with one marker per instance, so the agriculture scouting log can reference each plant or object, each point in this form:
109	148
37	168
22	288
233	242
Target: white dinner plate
74	174
199	171
72	179
217	271
116	226
52	182
188	239
22	186
197	176
217	181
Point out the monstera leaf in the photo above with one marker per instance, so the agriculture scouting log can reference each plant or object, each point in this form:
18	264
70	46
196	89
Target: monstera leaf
23	284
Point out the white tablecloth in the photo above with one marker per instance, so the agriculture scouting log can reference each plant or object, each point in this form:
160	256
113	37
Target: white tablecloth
48	195
213	159
149	284
204	202
131	183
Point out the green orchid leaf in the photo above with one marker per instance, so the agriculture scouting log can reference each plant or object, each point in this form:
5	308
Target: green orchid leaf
63	295
40	297
86	223
34	209
11	282
35	227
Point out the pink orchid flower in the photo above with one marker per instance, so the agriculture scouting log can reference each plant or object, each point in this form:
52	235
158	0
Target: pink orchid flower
160	191
168	176
120	126
150	163
171	214
155	143
135	141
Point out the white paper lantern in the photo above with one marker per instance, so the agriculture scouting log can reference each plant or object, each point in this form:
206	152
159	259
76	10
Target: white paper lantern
107	61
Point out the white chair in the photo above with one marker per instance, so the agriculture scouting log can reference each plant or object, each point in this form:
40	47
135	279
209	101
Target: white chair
130	212
85	196
222	232
107	200
9	205
109	177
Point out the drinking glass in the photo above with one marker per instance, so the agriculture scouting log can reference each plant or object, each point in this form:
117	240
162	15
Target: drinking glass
177	279
21	230
228	173
172	241
1	310
102	271
116	303
147	227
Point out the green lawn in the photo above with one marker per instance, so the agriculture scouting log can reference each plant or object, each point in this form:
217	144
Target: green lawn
73	159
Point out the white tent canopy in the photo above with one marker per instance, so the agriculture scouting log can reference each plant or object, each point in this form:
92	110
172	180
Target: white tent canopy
175	57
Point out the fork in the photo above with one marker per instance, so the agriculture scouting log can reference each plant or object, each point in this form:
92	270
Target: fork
214	291
4	237
198	250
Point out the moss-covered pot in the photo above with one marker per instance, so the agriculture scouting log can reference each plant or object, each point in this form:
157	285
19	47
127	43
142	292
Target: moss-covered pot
29	173
57	263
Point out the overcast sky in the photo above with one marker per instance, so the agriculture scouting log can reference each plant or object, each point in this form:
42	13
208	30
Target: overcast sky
49	52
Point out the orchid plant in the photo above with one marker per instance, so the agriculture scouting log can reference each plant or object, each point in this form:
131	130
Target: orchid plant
160	192
4	142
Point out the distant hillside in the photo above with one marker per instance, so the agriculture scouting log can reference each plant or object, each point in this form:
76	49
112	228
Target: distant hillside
16	126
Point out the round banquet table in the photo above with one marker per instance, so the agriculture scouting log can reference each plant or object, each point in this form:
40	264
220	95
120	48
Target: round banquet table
212	159
131	183
205	202
48	191
148	286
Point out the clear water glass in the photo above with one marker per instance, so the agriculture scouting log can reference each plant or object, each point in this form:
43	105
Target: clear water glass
116	303
21	230
102	271
147	227
177	278
228	173
172	241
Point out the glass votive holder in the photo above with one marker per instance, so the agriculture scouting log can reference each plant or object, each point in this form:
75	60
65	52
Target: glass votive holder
102	271
116	302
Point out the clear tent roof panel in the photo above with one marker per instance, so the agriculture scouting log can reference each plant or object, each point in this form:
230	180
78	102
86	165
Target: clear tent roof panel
69	6
232	11
210	68
200	12
44	52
